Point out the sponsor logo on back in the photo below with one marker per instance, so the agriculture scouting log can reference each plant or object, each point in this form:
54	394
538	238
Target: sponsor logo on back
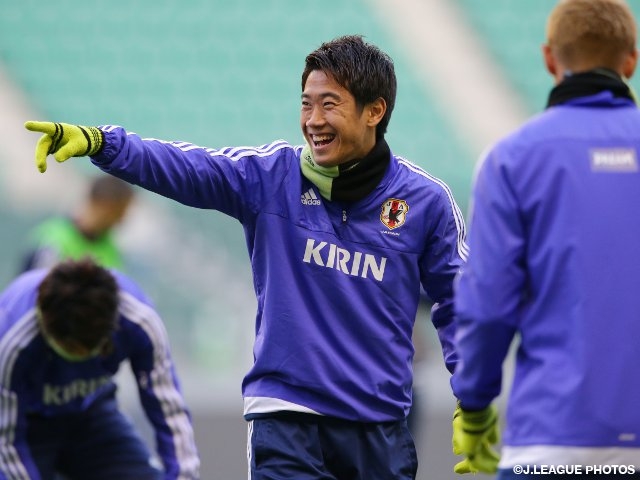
614	160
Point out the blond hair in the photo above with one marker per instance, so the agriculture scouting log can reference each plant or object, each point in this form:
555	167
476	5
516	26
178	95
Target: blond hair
586	34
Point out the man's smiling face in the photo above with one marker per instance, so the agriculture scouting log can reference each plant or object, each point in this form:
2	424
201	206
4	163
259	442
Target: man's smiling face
334	126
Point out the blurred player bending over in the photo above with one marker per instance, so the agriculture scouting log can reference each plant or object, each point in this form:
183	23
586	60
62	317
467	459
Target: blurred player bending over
555	258
63	335
341	234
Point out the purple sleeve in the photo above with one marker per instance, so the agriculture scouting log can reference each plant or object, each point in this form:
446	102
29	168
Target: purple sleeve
441	263
15	455
231	180
489	290
159	388
15	303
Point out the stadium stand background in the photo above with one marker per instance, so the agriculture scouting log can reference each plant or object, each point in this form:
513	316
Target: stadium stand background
222	72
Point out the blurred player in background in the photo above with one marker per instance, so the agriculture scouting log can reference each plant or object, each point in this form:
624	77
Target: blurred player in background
88	231
64	333
555	259
341	235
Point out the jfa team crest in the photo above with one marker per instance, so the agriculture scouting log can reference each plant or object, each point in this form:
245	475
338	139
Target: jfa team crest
394	213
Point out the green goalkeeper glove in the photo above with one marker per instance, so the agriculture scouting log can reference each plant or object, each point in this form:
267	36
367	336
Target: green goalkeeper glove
473	435
64	141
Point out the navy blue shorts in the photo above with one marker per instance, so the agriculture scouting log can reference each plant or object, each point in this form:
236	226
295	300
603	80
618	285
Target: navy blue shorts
100	444
323	449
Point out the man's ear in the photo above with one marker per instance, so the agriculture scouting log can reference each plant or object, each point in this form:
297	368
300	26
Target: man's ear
630	63
375	111
554	67
549	60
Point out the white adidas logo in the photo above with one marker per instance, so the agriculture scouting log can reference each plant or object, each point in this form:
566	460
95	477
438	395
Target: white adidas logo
309	198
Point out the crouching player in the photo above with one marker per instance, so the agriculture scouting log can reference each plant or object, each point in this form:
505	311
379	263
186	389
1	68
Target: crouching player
63	334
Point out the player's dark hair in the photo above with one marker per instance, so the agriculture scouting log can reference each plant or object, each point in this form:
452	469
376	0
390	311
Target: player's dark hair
78	300
361	68
110	189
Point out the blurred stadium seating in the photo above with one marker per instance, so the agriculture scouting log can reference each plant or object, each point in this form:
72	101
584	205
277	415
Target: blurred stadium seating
218	73
213	73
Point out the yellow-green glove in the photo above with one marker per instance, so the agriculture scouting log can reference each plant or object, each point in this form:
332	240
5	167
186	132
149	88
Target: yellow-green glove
64	141
474	433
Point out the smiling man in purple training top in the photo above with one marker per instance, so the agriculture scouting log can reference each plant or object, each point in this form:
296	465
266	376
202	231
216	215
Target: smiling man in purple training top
342	234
